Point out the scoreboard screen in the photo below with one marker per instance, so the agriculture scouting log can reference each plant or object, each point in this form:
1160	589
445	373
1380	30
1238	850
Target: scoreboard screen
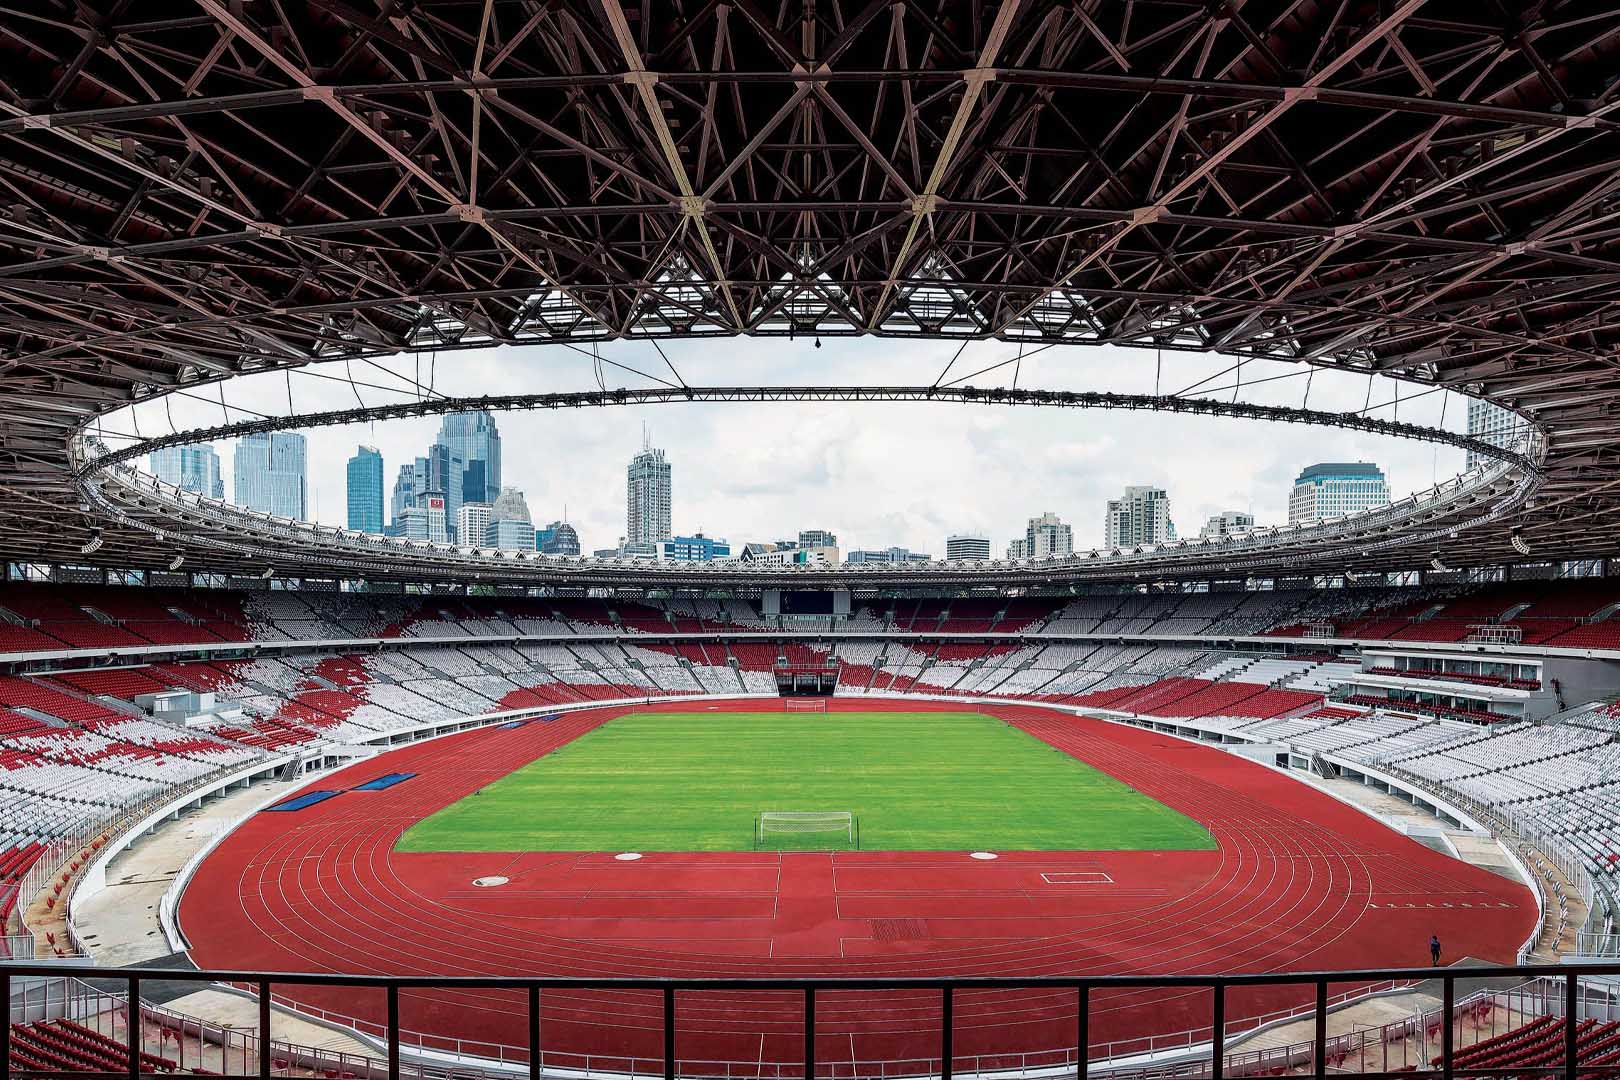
820	602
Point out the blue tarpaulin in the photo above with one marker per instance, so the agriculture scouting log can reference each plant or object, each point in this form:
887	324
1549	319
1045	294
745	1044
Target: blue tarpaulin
385	781
298	802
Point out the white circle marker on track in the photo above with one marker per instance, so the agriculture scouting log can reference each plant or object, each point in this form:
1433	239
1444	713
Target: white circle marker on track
628	856
490	882
983	855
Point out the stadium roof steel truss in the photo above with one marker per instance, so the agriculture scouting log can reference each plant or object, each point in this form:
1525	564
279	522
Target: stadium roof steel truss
1428	189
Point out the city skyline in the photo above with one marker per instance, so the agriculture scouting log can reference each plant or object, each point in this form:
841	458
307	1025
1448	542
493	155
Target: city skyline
1140	516
879	475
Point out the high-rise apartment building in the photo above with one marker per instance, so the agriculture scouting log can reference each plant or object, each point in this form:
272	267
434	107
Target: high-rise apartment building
970	546
189	468
365	490
1334	488
647	501
269	475
1140	516
1047	537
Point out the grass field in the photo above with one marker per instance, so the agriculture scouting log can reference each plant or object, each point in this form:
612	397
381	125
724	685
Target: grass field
695	782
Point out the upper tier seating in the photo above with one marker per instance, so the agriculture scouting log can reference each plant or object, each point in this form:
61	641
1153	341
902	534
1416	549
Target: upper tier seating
38	617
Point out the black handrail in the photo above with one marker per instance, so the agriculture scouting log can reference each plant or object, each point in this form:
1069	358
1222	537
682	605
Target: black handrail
1569	975
964	982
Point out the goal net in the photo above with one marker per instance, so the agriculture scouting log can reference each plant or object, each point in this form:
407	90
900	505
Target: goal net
801	704
806	830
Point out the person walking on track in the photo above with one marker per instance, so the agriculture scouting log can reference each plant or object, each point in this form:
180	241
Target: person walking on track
1434	949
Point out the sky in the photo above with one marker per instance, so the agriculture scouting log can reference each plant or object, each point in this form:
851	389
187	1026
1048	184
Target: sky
876	474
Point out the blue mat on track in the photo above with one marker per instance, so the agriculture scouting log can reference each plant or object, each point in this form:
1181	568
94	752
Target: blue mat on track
298	802
510	724
385	781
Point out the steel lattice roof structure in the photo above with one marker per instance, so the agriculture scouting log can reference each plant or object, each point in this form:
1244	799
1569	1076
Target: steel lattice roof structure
195	189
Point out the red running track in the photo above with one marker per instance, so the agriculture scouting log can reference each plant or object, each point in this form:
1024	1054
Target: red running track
1299	882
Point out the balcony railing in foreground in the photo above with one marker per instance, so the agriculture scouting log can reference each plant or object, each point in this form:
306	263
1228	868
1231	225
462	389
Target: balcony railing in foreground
1523	1007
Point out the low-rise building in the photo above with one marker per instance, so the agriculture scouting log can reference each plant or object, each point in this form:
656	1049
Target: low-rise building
695	548
970	546
1227	523
893	555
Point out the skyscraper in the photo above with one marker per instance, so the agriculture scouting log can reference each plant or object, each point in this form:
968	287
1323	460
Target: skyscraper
404	497
468	455
190	468
1140	516
647	499
366	490
441	471
510	526
1494	424
1334	488
269	474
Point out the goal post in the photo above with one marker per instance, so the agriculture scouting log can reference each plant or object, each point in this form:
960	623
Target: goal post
806	830
804	704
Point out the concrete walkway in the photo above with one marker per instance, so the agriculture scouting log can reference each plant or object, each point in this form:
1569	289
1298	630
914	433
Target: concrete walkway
120	925
1422	826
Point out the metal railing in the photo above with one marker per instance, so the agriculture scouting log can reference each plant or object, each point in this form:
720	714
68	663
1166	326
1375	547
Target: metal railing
1567	991
1152	1046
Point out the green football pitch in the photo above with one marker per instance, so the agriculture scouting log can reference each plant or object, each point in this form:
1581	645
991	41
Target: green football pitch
926	781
